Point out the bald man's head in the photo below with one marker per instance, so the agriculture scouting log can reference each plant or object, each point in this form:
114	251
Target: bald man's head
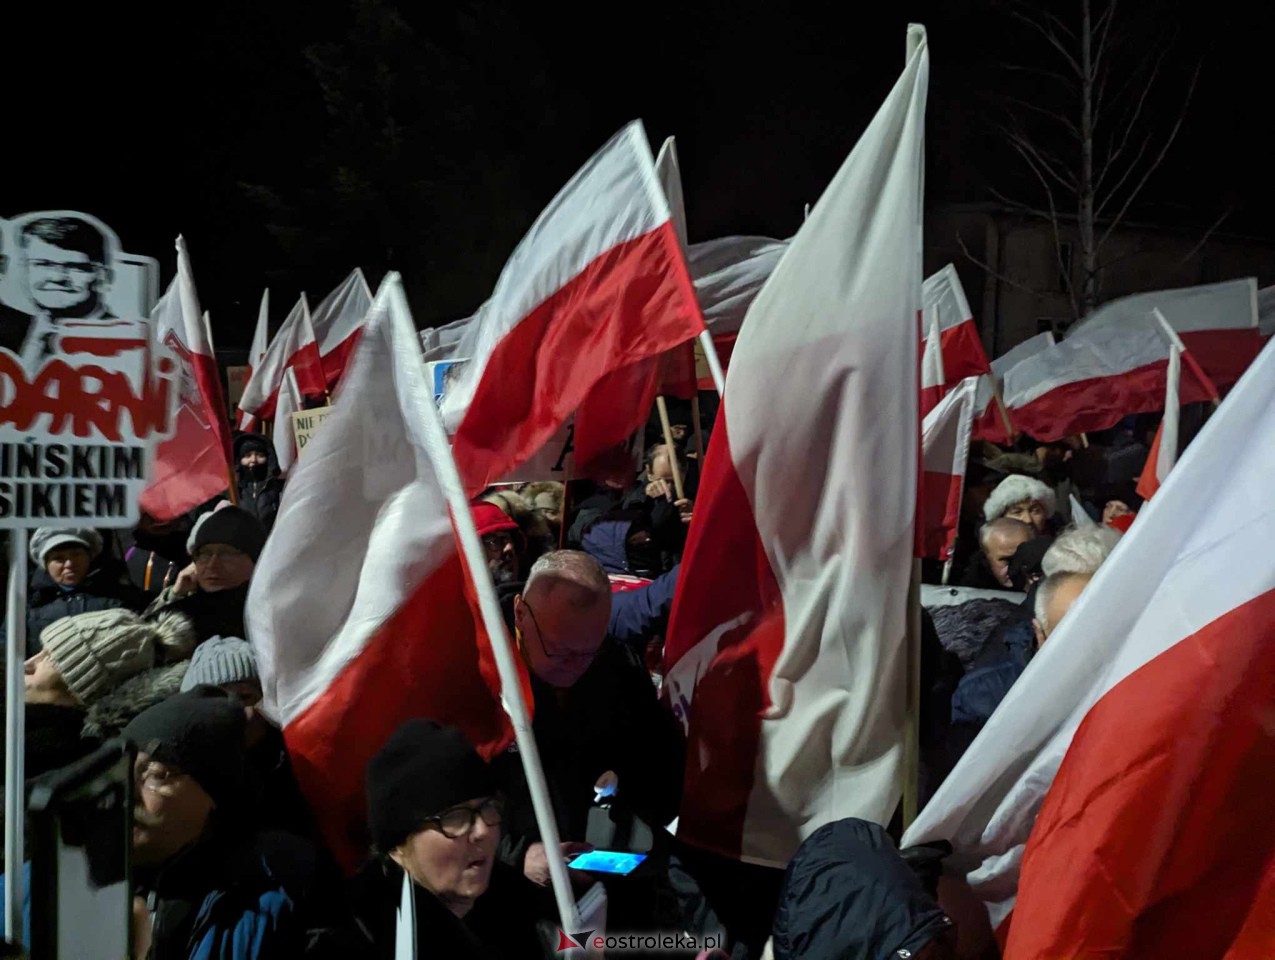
562	615
1000	539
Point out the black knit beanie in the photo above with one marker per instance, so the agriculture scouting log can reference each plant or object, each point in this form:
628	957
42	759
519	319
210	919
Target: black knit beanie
423	769
201	736
229	525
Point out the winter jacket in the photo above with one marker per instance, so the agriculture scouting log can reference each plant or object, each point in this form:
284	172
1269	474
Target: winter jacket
260	497
239	895
610	720
988	679
638	616
48	603
53	738
848	893
966	628
218	614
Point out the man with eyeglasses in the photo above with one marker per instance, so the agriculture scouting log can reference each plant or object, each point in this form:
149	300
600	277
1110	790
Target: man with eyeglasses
208	881
68	275
434	814
597	720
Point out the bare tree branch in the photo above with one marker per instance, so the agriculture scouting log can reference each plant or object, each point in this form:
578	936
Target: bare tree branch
1051	38
1144	75
1053	221
1035	156
1102	27
1207	234
1060	118
1130	124
1101	204
991	271
1018	206
1045	72
1155	164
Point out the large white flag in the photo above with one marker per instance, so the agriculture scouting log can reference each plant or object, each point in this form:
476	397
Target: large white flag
786	649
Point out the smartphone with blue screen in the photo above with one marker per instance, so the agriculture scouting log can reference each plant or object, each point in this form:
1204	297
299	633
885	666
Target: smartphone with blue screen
607	861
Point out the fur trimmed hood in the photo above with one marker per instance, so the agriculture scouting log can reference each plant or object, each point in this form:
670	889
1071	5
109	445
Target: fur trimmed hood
112	713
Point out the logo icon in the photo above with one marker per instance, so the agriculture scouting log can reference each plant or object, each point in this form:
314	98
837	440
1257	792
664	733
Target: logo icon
572	941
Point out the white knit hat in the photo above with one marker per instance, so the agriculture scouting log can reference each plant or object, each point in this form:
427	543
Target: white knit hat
1015	489
96	652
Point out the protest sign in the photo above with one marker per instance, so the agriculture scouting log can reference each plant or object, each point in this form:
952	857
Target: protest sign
236	380
85	392
305	422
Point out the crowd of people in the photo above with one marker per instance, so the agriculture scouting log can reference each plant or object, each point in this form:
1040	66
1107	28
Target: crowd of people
140	634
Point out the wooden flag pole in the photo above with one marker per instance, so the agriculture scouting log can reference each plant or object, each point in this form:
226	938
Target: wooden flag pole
698	427
662	406
1000	405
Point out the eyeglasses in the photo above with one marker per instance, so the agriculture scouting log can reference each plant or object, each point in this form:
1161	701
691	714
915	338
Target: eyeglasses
568	657
458	821
205	557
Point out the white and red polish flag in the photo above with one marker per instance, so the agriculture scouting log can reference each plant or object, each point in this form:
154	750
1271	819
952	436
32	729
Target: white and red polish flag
962	347
337	322
1114	363
193	465
256	354
988	423
677	366
1118	800
1164	448
933	376
945	446
789	674
1217	323
592	297
360	610
293	346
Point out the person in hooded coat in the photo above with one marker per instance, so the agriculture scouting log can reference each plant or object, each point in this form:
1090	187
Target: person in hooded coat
257	477
71	578
849	895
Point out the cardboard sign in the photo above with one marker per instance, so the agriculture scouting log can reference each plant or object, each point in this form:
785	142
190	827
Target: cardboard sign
305	422
86	393
236	380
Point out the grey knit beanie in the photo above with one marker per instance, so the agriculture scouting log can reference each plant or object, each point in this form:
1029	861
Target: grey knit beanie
96	652
50	538
220	661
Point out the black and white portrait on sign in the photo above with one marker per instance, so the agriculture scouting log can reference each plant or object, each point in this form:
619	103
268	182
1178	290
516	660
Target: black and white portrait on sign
64	265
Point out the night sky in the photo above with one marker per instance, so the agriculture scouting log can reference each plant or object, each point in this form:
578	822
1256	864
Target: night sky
290	141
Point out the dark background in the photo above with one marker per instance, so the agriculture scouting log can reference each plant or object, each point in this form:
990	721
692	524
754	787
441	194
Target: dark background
290	141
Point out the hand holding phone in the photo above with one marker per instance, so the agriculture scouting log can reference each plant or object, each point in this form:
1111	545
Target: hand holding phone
607	861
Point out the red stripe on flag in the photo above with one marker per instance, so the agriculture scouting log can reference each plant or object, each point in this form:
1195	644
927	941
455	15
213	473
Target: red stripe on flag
724	728
336	359
1223	354
427	660
307	366
940	513
1157	835
1099	403
631	303
963	353
1149	479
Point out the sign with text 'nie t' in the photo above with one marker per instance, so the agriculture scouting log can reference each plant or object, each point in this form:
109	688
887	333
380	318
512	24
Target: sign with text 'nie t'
305	422
86	394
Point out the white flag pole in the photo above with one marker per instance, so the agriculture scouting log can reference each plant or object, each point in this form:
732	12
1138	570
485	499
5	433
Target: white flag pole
436	446
714	362
15	737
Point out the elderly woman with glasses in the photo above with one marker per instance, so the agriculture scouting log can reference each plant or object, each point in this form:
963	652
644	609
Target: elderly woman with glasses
212	591
435	815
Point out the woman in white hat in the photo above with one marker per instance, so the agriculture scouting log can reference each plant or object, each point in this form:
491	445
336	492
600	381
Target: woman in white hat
68	581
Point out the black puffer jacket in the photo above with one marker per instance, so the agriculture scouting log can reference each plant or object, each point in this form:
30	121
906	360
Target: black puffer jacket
260	495
848	895
48	603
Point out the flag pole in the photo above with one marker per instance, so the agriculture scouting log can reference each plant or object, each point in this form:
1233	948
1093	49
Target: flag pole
912	726
15	735
436	446
662	406
713	360
1000	405
698	426
1187	358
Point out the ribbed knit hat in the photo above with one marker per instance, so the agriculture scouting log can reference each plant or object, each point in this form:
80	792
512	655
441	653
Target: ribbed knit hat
50	538
96	652
220	661
229	525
